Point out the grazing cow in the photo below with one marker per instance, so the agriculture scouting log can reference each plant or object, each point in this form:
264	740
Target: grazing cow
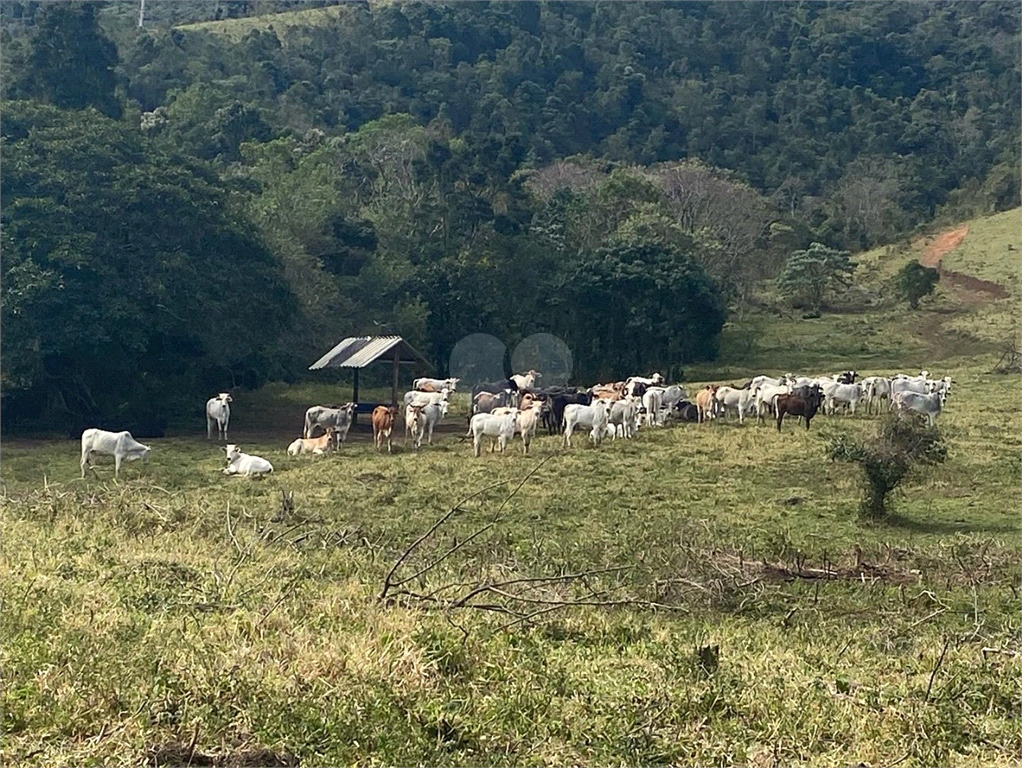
317	445
841	394
706	403
687	412
594	416
121	445
876	389
322	417
415	397
435	385
218	412
929	406
526	380
499	427
741	400
797	405
239	463
383	419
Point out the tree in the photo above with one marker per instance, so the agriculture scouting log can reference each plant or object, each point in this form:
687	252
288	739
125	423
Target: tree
129	283
914	281
888	457
70	63
811	275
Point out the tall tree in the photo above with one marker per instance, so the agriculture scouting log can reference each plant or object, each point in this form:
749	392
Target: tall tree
69	63
810	276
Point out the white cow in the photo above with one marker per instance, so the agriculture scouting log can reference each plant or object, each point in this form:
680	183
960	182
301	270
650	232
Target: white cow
841	394
433	415
426	398
526	423
928	405
652	402
741	400
239	463
415	424
526	380
323	417
594	416
499	427
765	397
877	389
673	395
218	412
623	418
121	445
435	385
917	385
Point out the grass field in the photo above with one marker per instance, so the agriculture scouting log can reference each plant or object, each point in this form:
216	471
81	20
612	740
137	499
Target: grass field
180	616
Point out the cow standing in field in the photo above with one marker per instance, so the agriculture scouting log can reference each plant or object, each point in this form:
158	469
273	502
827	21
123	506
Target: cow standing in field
383	419
218	412
121	445
322	417
798	405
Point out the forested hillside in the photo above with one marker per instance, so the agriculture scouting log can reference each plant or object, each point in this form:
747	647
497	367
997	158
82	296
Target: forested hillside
200	206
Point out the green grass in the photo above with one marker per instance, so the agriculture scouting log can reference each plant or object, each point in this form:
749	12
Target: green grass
286	25
182	612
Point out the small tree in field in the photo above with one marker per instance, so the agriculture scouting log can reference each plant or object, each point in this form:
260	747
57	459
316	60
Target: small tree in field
915	281
887	458
810	275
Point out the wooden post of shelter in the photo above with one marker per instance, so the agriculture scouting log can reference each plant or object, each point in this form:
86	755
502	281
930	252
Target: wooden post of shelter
393	385
354	395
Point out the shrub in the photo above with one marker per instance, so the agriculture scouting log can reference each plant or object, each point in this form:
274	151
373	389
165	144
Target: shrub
914	281
887	458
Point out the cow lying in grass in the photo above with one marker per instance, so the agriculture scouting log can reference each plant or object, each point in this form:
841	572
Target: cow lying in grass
316	445
239	463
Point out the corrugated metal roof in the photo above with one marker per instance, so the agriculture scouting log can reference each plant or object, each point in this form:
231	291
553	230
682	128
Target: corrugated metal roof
360	351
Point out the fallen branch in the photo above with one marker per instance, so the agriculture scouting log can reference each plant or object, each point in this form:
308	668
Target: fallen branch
933	674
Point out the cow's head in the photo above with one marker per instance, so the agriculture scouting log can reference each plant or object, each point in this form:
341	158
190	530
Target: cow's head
225	397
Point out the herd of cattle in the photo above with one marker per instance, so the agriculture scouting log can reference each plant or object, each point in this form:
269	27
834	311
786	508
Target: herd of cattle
518	406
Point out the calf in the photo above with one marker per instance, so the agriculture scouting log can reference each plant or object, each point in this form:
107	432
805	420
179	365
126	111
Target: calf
499	427
624	417
798	405
322	417
317	445
121	445
383	425
218	412
239	463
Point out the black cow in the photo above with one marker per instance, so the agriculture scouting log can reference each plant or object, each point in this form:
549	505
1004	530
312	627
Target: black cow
687	411
494	387
799	406
847	377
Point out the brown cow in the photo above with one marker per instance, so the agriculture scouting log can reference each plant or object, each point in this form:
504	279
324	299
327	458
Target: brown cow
383	419
799	405
705	401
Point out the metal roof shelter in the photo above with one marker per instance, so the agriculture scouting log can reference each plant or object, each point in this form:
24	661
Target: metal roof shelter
357	352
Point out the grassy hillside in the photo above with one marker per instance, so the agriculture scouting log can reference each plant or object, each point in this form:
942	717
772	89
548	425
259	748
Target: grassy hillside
284	24
180	616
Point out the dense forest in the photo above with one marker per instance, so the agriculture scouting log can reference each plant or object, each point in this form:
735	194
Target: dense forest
189	207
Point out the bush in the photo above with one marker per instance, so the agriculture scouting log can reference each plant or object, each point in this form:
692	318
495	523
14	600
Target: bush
914	281
888	457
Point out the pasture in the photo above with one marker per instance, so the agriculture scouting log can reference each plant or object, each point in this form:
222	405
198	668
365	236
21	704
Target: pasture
700	595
